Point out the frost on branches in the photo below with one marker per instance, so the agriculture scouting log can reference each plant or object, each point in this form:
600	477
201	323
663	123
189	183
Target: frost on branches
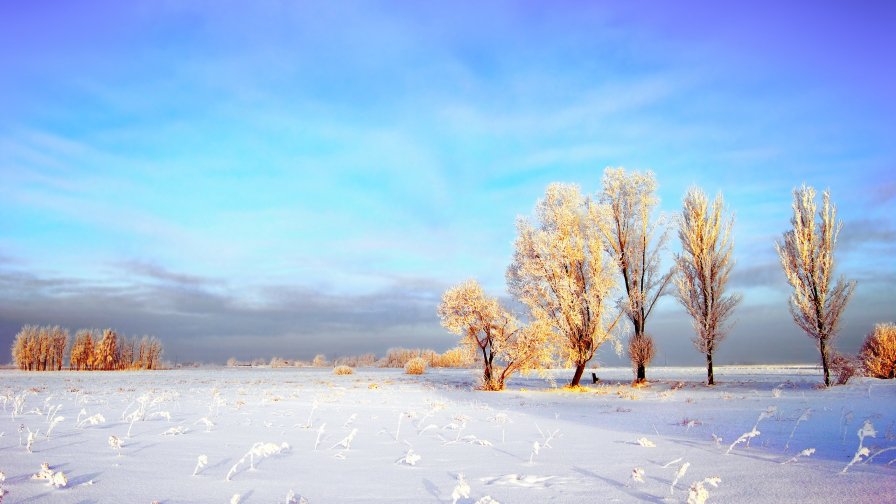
488	328
807	257
703	269
561	273
628	232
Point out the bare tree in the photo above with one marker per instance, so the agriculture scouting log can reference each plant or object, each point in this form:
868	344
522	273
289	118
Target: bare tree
807	257
488	328
560	273
703	270
629	231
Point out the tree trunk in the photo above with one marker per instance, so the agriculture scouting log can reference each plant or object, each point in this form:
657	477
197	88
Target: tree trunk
709	376
487	371
642	374
824	362
580	369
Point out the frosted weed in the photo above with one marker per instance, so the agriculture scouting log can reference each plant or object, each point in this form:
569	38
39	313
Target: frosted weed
56	479
92	420
768	413
805	453
56	420
115	443
346	441
867	430
698	494
681	471
461	489
804	417
410	458
258	450
201	462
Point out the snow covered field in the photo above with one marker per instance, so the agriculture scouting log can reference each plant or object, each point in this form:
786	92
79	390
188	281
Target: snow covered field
382	436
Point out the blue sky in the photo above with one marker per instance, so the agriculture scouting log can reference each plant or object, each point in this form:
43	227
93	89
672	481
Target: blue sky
302	177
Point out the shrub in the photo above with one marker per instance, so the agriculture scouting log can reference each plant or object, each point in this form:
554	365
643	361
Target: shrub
878	353
457	357
279	362
844	367
415	366
641	350
343	370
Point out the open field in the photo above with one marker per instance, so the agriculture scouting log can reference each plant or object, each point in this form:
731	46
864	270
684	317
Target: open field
382	436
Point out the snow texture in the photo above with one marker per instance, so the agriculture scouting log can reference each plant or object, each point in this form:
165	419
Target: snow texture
315	437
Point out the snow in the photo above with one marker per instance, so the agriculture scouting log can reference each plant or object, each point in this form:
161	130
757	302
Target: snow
382	436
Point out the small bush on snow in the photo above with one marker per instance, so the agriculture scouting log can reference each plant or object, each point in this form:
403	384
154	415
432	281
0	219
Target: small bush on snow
343	370
415	366
844	367
878	352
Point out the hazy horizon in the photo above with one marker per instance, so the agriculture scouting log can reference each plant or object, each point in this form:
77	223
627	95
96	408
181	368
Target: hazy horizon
299	178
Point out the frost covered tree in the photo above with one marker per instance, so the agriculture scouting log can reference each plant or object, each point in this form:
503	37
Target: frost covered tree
559	271
703	268
81	357
488	328
40	348
148	353
634	240
24	353
807	258
59	339
106	354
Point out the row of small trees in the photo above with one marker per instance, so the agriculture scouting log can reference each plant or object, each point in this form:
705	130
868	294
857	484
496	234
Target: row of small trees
42	348
570	260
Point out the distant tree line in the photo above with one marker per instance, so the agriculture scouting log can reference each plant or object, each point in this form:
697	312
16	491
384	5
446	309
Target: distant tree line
43	348
458	357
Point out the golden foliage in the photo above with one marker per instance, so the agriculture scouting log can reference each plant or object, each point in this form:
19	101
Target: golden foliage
40	348
878	353
703	269
43	348
559	271
487	328
807	258
415	366
343	370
